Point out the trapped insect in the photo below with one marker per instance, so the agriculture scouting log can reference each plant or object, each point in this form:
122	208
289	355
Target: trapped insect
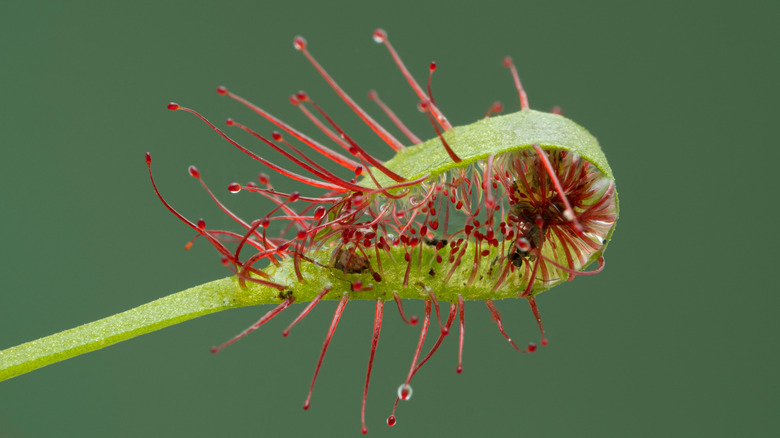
508	206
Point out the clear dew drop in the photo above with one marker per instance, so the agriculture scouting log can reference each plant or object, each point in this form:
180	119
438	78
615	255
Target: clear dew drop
405	391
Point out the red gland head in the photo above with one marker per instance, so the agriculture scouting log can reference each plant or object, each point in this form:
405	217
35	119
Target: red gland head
299	42
405	391
380	35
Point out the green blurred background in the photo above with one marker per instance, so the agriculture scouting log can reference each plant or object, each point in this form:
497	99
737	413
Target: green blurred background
677	337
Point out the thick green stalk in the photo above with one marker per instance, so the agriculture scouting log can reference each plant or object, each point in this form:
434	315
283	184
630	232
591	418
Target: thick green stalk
197	301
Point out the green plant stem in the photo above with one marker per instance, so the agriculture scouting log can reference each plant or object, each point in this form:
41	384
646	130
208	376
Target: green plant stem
197	301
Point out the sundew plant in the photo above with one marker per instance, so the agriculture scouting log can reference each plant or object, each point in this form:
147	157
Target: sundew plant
506	207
